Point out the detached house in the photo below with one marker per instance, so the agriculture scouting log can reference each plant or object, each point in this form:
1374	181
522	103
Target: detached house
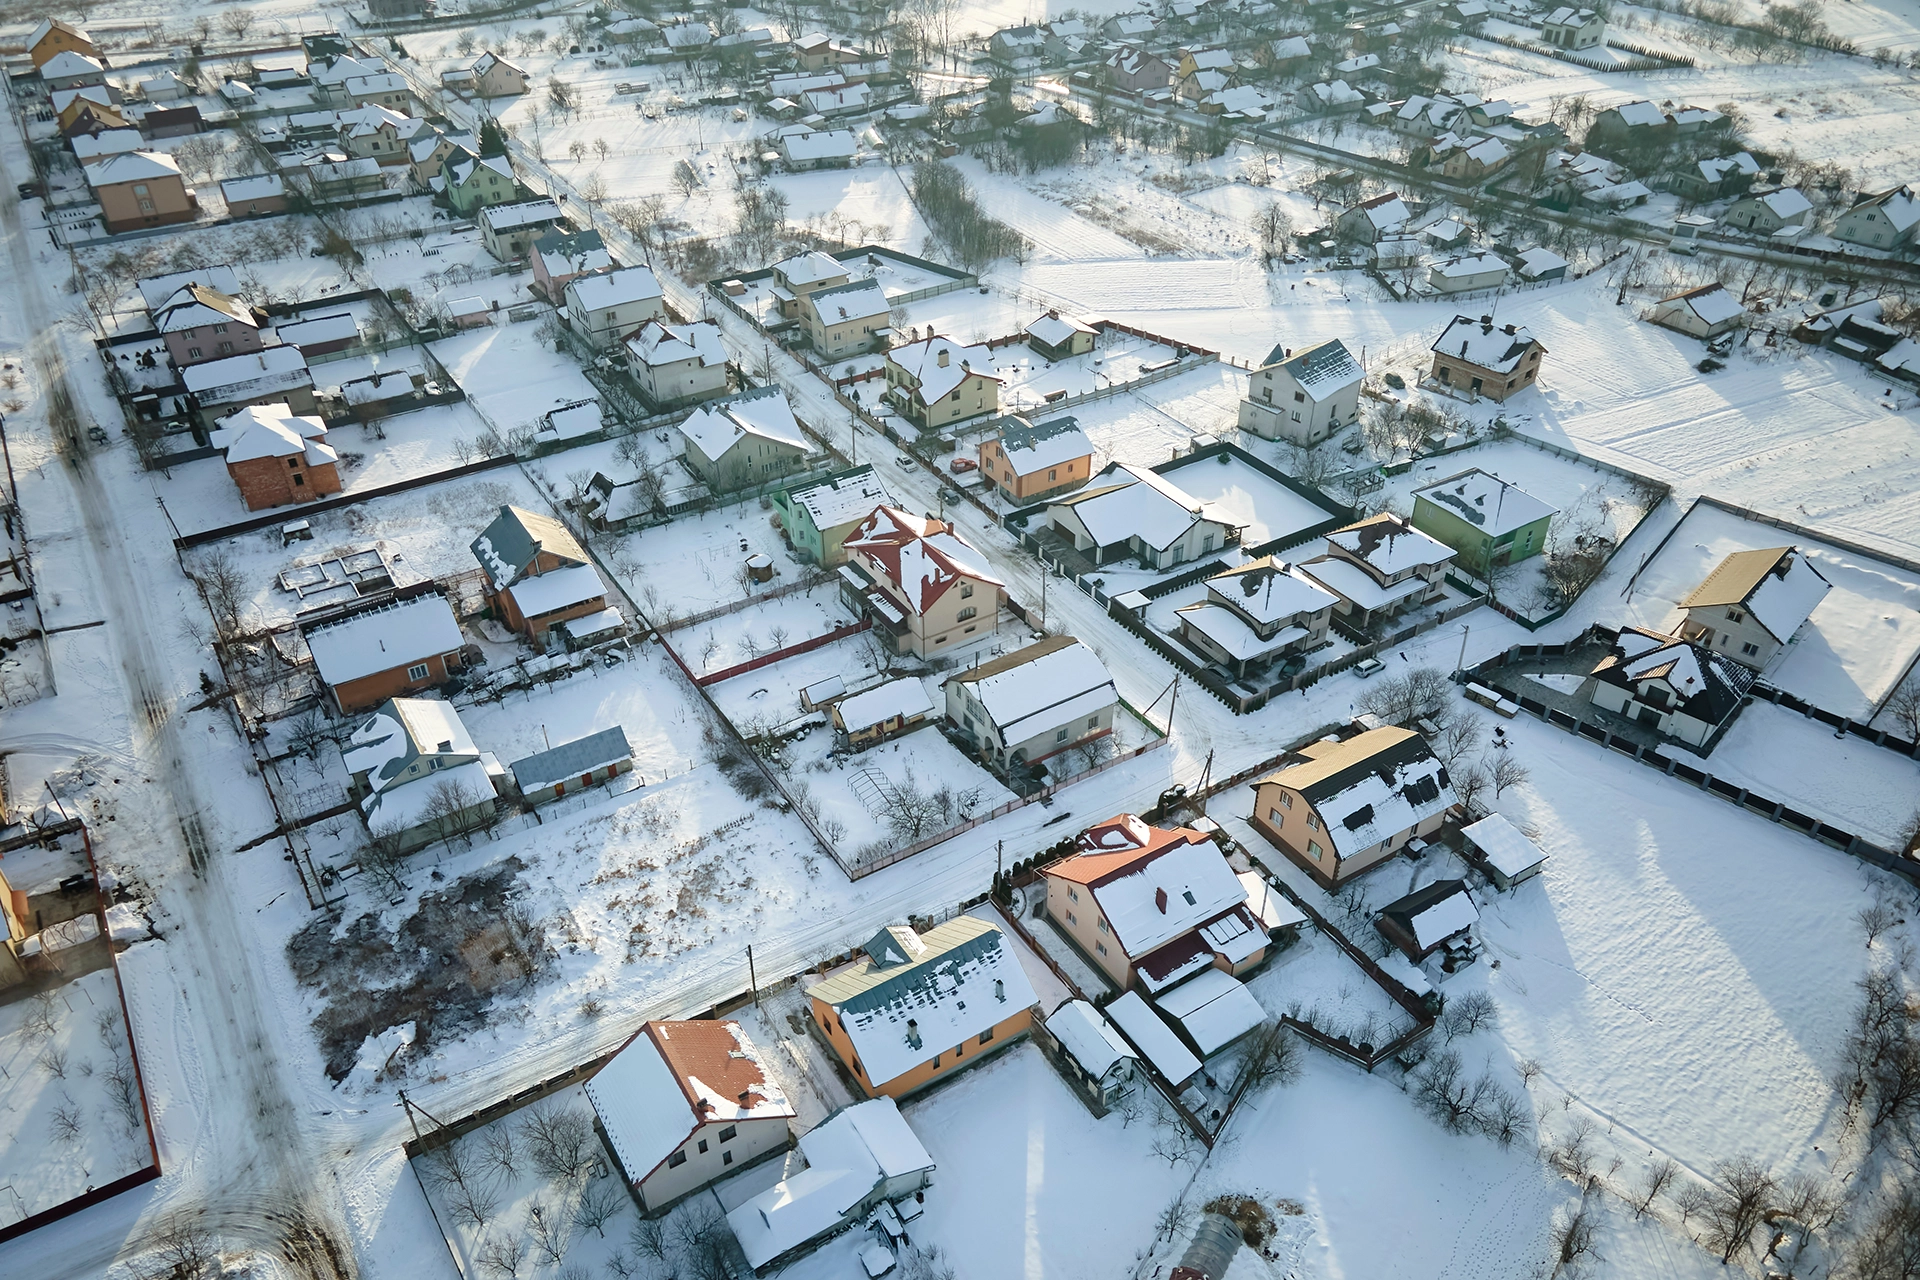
1570	28
55	36
816	517
1765	212
1380	568
924	586
1303	397
271	376
605	307
842	319
536	573
276	456
743	440
1138	71
1372	221
675	363
574	766
473	182
1131	511
1153	906
417	775
509	230
141	189
684	1104
1753	603
69	69
805	273
201	324
392	650
1029	460
1705	312
1672	686
1485	359
1487	521
937	381
1263	612
379	133
1032	704
491	76
1884	220
1057	337
1347	806
1439	917
561	257
915	1008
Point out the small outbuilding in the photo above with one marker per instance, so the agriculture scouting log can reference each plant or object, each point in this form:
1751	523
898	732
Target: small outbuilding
572	766
1503	851
1090	1055
885	711
1438	918
1705	312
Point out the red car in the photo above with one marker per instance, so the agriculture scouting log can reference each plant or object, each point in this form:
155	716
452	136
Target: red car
961	465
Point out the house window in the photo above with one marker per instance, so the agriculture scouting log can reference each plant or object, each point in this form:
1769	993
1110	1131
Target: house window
299	481
1273	816
1101	947
1734	615
1073	895
1313	850
1296	415
1059	735
193	353
1313	822
1101	924
226	348
967	612
703	1146
857	1068
726	1157
1093	722
1299	398
966	590
936	1061
986	1036
1286	800
417	672
220	328
1054	474
677	1159
1750	649
1072	919
956	395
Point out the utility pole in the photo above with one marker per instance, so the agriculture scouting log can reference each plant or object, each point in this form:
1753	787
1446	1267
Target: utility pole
1171	704
1045	572
753	981
1462	664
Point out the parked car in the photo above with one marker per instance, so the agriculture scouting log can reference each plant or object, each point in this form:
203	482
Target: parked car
1367	668
960	466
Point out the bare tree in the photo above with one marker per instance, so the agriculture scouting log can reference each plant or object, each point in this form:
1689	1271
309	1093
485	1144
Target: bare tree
562	96
1507	771
546	1226
224	588
1466	1014
503	1255
1658	1177
1572	1238
65	1122
1173	1140
1177	1216
499	1150
1904	707
1876	919
599	1205
559	1141
179	1248
1460	738
686	178
1272	1056
1808	1204
384	856
237	22
1469	784
1737	1204
649	1239
1888	1246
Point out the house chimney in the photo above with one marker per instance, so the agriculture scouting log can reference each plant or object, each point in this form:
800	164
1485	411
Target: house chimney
1463	347
1000	990
913	1032
941	359
1160	900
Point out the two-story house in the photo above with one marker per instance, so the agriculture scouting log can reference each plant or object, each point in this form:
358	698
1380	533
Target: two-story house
1379	568
1130	511
472	182
1753	604
1153	906
1030	705
926	588
684	1104
743	440
606	307
393	649
1303	396
200	324
509	230
1880	220
843	319
937	381
417	775
1676	687
379	133
560	257
804	273
1485	359
1487	521
276	456
1344	806
1030	460
1263	612
676	363
817	517
536	572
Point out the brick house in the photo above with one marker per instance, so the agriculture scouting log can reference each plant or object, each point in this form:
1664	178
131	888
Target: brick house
392	650
1485	359
201	324
961	989
276	456
537	573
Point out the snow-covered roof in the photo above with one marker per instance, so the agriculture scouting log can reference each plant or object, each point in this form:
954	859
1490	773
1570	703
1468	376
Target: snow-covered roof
575	253
1708	685
557	589
394	635
1778	585
1352	583
1268	590
1369	787
1500	348
853	1152
823	144
1364	62
905	698
197	305
1640	114
1435	913
96	94
1150	1034
855	300
1389	544
271	431
382	385
1154	884
763	413
108	142
1125	501
1271	907
1786	202
1567	15
69	63
659	343
937	364
1090	1038
1323	370
1230	631
523	213
846	97
1711	302
319	330
1486	502
132	166
1538	261
515	538
920	555
243	376
1055	329
1048	683
1467	266
686	35
49	25
1032	447
1900	206
1384	211
1214	1008
809	268
1503	845
966	980
420	801
614	288
157	291
673	1077
843	498
1488	151
402	730
257	186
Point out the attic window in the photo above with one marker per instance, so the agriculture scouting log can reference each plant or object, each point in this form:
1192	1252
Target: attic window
1188	895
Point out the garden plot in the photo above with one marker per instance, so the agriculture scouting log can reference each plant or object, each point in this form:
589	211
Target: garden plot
1847	781
1316	982
1265	508
1853	651
695	562
424	533
1149	425
74	1119
511	375
1118	357
762	628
